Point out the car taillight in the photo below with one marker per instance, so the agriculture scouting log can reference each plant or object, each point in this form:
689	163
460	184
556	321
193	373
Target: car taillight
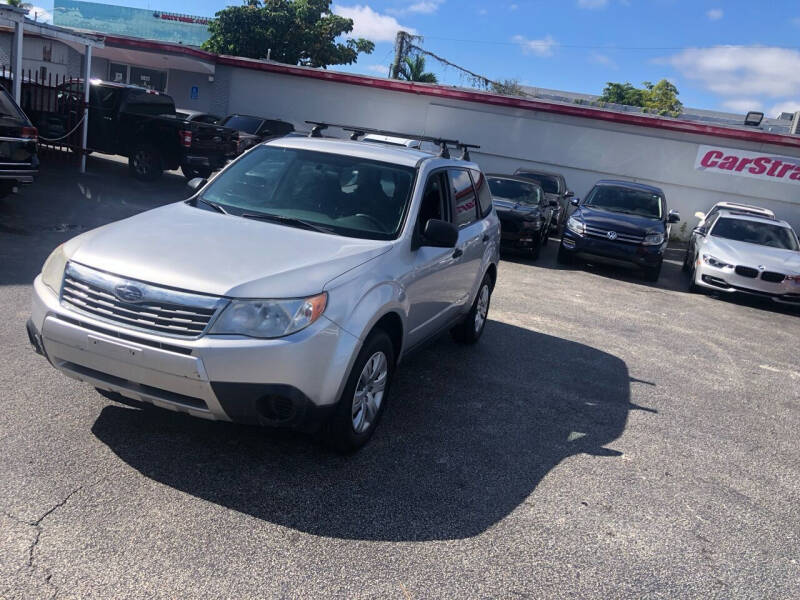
186	138
30	133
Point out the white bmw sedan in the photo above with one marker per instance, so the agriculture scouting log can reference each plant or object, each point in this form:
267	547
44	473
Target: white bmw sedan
739	252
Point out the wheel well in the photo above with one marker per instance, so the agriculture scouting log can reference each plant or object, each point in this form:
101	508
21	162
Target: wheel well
492	273
392	324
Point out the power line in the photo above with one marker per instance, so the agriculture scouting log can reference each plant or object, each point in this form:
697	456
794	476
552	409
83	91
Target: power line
554	44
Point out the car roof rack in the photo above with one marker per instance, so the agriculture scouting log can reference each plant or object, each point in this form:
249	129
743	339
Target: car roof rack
357	132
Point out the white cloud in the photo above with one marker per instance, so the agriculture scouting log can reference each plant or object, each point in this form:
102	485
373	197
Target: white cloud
40	14
592	4
737	71
742	105
424	7
603	59
379	69
789	106
541	47
370	24
715	14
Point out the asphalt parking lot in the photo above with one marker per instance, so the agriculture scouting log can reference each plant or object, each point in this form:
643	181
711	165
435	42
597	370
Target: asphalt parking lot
607	438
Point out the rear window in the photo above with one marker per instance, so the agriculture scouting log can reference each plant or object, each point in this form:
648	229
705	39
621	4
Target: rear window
484	193
241	123
755	232
145	103
8	108
548	183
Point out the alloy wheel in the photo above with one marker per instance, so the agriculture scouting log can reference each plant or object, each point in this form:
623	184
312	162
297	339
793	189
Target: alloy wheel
369	392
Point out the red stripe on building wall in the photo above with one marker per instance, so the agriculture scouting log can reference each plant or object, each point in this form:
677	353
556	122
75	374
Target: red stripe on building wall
584	112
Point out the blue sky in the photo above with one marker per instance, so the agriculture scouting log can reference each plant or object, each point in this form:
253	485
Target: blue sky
728	55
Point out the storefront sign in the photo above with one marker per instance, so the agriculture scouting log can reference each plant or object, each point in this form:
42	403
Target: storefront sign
756	165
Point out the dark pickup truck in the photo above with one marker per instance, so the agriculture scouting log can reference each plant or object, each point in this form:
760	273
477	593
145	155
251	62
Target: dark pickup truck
141	125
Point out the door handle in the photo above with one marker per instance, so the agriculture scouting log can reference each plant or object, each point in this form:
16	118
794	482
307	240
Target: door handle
485	237
457	252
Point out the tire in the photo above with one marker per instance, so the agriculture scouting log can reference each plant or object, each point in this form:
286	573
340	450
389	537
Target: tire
470	329
349	429
145	163
693	287
686	266
563	257
192	172
536	249
652	273
545	236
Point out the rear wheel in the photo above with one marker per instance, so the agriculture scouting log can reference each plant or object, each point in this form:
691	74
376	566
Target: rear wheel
364	397
145	163
471	328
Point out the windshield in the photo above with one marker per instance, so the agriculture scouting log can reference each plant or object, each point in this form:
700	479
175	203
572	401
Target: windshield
755	232
241	123
626	201
348	195
514	191
548	183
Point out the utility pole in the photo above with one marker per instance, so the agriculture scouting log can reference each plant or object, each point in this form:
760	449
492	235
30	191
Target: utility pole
399	53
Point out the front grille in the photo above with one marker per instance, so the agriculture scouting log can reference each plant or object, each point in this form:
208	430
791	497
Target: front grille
772	276
160	310
746	271
620	237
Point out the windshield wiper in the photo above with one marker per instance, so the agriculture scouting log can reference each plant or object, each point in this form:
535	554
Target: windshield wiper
213	205
283	220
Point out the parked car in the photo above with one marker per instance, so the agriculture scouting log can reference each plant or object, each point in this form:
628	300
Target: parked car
141	125
735	206
524	212
735	251
19	160
283	292
555	188
620	221
254	130
196	115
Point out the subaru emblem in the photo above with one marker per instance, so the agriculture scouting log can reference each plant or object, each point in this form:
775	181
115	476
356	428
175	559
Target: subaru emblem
128	293
612	235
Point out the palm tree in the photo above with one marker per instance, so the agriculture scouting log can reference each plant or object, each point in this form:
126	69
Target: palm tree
413	69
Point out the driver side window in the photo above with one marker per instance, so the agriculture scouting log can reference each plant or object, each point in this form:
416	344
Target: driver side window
434	201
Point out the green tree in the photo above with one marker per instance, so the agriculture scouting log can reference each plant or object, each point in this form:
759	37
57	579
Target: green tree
661	97
413	69
19	3
508	87
297	32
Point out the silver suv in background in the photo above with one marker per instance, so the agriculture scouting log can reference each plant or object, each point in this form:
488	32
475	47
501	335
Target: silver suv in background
284	292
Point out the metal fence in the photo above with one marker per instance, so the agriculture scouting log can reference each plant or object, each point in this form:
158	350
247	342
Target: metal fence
55	107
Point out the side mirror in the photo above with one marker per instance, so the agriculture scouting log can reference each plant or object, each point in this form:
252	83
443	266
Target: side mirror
574	201
569	194
196	183
699	231
440	234
674	216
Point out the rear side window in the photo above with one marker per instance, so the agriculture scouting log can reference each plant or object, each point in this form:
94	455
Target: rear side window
484	193
464	199
147	103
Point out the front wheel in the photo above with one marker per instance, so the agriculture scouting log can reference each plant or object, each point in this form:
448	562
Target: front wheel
471	328
652	273
365	393
192	172
145	163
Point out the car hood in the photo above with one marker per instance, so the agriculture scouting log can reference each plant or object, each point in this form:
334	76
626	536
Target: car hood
509	208
619	222
754	255
192	249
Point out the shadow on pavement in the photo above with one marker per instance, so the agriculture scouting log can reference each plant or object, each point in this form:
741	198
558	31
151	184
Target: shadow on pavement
469	434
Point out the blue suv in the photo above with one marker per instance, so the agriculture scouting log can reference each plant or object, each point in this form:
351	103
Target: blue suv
619	222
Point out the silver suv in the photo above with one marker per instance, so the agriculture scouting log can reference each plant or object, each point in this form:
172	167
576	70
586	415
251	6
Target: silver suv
283	292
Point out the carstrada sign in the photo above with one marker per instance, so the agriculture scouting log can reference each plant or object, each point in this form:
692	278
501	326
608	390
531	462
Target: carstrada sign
756	165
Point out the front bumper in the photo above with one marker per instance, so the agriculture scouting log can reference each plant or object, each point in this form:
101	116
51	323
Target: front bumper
291	382
525	239
727	280
612	252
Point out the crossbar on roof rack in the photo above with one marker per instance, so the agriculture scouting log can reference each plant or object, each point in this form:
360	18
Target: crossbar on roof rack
357	132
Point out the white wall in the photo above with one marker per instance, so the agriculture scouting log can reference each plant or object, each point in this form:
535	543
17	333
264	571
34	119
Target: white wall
584	150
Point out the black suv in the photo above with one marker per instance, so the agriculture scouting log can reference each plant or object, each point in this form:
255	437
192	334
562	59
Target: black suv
555	188
19	161
620	221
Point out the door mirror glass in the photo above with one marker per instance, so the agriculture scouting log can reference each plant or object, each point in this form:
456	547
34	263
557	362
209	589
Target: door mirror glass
674	216
699	231
440	234
196	183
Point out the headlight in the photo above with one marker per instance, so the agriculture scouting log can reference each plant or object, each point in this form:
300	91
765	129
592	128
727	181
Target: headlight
53	269
269	318
715	262
653	239
576	226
